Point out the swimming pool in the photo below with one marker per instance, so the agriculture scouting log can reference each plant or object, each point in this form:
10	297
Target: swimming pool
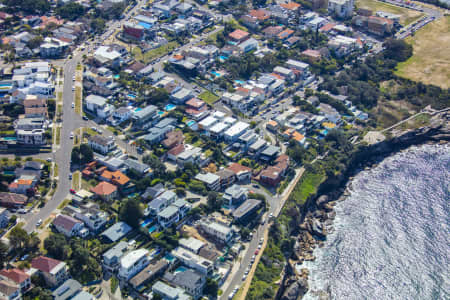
146	222
8	173
239	82
217	74
116	76
152	229
9	138
170	107
180	269
223	57
160	113
132	96
190	123
169	257
137	109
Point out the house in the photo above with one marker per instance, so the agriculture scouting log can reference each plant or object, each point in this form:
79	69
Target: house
312	55
93	218
133	31
192	260
98	105
158	132
218	231
105	191
120	115
235	195
4	217
9	290
111	258
31	137
69	226
196	108
145	115
19	277
173	153
132	263
270	153
272	125
235	131
379	26
272	31
297	65
12	200
54	271
191	244
141	168
285	34
191	281
117	178
272	175
168	216
182	96
248	45
227	178
150	272
173	138
161	202
101	144
260	14
341	8
288	74
153	191
211	180
246	210
167	292
107	55
116	232
257	147
241	172
53	48
67	290
238	35
21	186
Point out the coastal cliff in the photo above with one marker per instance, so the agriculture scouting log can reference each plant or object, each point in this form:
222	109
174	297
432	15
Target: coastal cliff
317	213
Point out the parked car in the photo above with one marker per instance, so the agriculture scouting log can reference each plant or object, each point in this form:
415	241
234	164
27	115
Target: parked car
39	222
72	191
85	118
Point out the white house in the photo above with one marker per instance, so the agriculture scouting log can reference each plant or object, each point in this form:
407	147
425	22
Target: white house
101	144
97	104
235	131
341	8
192	260
31	137
216	230
133	262
69	226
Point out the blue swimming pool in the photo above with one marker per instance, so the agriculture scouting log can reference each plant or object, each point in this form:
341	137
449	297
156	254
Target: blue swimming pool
170	107
180	269
152	229
190	123
5	84
137	109
223	57
10	138
132	96
8	173
169	257
216	73
146	222
239	82
116	76
324	132
161	112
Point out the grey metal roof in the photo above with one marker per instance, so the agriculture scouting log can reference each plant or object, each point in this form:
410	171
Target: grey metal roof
245	207
168	212
117	231
67	290
116	251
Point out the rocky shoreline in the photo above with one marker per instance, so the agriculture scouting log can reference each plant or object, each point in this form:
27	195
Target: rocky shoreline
318	213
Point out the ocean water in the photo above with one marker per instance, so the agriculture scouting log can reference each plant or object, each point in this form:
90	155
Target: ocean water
391	237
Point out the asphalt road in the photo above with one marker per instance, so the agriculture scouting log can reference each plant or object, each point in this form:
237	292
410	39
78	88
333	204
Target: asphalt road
71	121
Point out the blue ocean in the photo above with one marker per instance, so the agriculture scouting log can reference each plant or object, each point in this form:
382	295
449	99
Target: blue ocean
391	236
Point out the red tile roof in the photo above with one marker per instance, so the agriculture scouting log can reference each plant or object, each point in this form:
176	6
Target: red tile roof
327	27
176	150
16	275
239	34
291	5
66	222
44	264
238	168
260	14
104	189
194	102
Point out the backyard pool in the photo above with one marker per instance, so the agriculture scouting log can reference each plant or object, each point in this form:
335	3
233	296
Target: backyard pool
222	57
217	74
8	173
239	82
9	138
137	109
190	123
146	222
170	107
169	258
132	96
116	76
161	113
180	269
152	229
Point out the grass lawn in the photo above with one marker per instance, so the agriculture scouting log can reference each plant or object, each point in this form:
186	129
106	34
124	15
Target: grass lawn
208	97
407	16
59	96
430	62
113	130
154	53
78	100
76	177
55	170
64	203
58	135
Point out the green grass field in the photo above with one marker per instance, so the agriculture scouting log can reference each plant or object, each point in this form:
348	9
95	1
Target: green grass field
78	100
430	62
154	53
407	15
208	97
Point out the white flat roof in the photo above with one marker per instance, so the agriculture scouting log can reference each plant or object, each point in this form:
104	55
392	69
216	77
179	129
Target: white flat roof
237	128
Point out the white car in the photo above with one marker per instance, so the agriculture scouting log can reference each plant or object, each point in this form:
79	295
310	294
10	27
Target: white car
39	222
71	135
73	105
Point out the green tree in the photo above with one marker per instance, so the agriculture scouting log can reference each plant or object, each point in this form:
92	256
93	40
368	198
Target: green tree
75	155
35	42
214	201
18	238
397	49
70	10
3	252
211	287
131	212
57	246
87	155
98	25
